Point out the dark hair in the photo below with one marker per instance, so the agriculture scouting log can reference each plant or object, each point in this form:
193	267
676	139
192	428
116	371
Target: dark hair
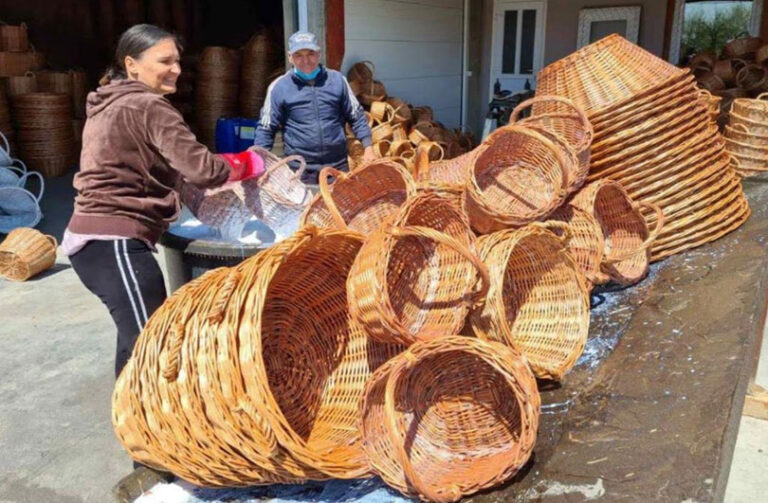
133	42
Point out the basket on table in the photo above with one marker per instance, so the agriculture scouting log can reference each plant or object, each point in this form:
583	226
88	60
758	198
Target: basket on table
538	301
26	253
268	365
278	197
450	417
625	233
18	206
516	177
360	200
417	277
570	123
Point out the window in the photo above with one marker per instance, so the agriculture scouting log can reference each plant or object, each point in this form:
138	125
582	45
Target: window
519	41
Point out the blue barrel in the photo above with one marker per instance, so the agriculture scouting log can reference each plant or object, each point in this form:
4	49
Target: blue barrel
235	134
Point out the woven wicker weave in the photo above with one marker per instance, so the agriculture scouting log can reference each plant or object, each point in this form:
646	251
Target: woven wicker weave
587	244
571	124
516	177
416	278
253	375
26	253
626	237
450	417
538	301
743	47
360	200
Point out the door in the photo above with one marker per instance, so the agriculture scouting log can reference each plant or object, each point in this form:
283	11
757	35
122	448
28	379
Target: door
517	51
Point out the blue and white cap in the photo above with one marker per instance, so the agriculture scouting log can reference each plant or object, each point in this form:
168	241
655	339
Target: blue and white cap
302	40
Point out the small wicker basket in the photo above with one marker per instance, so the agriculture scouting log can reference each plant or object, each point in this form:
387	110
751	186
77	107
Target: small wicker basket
26	253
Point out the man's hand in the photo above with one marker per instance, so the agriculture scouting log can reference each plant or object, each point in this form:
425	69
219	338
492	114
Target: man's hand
368	154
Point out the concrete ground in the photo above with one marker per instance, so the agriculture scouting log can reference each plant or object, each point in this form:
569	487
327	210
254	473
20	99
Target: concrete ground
56	354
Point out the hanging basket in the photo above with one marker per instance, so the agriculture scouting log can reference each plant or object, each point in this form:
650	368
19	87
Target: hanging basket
26	253
571	124
450	417
18	206
361	200
515	178
538	301
625	233
416	278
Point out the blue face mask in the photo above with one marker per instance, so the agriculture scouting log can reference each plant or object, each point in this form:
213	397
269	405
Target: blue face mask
307	76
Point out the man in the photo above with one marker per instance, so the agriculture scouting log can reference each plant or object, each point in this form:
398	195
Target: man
312	105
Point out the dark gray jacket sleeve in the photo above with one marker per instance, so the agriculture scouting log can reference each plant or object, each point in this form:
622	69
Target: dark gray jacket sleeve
355	115
272	117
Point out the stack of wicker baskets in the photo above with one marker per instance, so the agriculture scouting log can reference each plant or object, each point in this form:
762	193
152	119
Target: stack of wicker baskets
45	134
746	135
259	57
17	56
216	94
652	134
400	129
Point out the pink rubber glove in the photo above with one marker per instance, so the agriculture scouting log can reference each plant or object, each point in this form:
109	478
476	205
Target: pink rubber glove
245	165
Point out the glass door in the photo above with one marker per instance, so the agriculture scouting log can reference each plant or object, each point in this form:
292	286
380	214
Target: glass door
518	43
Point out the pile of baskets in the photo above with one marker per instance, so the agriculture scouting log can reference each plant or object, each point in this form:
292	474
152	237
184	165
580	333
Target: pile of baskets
45	134
216	92
746	135
385	337
653	134
17	55
398	128
739	72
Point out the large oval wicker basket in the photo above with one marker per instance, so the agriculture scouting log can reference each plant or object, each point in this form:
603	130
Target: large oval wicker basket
360	200
516	177
450	417
538	301
416	278
25	253
587	244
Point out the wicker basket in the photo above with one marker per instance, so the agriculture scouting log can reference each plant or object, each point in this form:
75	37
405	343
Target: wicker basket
21	84
362	72
735	147
402	114
746	166
17	63
758	127
587	245
752	78
26	253
515	178
375	91
625	234
571	124
248	402
259	58
450	172
743	47
423	113
361	200
705	58
742	134
54	82
754	109
14	38
416	278
450	417
382	132
216	90
79	92
761	56
538	301
381	111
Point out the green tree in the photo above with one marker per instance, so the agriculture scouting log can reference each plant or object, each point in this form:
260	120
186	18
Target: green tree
702	34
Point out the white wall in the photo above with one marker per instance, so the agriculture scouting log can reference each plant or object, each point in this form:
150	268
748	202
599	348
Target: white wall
416	46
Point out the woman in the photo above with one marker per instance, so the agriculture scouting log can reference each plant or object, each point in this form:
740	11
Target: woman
136	149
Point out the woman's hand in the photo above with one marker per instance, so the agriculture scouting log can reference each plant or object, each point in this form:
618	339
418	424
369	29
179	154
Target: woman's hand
244	165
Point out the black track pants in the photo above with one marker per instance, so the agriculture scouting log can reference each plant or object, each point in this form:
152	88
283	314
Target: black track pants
126	277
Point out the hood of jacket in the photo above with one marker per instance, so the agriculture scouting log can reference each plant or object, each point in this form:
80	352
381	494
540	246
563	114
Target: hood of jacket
102	97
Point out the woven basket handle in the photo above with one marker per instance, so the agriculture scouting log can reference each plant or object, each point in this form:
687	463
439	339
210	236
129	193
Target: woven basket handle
220	302
25	177
421	164
705	93
652	235
557	99
52	240
735	160
742	127
761	96
325	193
173	360
262	180
445	239
398	441
555	225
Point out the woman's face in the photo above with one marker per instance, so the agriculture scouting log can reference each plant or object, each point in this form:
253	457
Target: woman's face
158	67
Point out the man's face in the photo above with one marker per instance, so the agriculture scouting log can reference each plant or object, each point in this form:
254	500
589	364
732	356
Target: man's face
305	60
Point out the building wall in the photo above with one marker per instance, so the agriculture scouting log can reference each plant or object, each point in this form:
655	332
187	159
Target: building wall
416	46
563	24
